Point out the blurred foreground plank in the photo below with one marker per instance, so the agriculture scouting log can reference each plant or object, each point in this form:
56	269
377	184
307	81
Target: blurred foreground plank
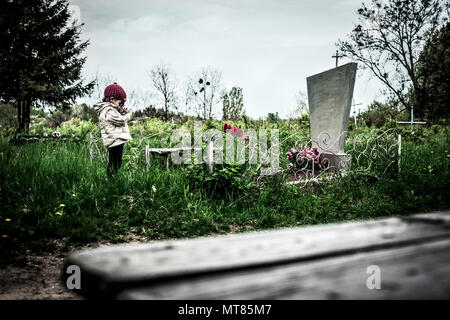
318	262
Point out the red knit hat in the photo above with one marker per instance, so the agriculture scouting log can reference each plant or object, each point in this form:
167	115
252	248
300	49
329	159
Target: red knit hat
116	91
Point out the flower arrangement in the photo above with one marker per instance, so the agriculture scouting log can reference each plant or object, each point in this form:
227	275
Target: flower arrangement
306	158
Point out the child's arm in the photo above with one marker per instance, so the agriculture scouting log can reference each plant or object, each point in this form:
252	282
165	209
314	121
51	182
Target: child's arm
116	118
128	115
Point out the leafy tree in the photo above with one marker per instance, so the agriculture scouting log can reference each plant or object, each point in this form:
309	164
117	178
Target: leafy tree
153	112
39	56
389	38
273	117
377	114
8	117
84	112
434	76
233	104
58	117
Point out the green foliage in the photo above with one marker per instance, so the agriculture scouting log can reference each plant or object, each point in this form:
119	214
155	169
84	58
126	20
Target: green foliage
273	117
388	39
77	127
157	203
226	181
210	124
84	112
20	138
246	120
434	72
233	104
378	114
8	119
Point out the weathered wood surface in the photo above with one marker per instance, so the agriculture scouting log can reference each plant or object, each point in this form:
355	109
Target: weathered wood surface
170	150
167	151
246	265
412	272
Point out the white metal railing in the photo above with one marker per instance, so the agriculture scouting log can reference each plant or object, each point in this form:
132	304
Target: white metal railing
373	152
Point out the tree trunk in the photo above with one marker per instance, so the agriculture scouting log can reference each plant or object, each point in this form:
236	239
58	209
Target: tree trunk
19	115
27	115
23	115
166	107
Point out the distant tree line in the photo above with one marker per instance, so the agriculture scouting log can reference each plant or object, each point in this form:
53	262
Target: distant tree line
403	43
41	64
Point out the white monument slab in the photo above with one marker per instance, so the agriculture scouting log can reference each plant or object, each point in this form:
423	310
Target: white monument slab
329	97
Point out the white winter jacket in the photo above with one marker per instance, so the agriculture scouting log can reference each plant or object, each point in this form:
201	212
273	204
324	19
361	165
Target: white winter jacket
114	127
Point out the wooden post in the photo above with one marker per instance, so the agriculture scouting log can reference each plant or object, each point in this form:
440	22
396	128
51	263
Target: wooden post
399	151
90	147
210	153
147	160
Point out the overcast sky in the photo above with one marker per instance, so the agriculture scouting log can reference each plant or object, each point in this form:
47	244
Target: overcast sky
267	47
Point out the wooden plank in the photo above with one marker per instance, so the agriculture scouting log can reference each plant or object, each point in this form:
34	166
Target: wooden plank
170	150
433	217
412	272
112	268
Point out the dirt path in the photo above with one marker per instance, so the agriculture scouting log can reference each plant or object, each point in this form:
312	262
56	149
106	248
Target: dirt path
39	278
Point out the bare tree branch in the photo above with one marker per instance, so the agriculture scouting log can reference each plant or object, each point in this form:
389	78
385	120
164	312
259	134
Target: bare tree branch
388	40
205	90
166	85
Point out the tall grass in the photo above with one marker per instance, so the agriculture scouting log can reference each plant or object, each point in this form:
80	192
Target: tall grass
51	191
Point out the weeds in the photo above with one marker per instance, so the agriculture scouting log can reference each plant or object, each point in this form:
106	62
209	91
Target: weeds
51	191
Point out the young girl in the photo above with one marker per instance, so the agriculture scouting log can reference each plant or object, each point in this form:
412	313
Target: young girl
113	119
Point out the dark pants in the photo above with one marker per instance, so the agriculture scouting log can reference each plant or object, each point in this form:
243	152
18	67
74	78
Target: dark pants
115	159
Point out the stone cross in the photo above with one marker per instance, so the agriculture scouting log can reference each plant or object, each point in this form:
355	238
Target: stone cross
337	56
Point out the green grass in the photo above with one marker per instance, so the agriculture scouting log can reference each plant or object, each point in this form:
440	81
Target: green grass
36	179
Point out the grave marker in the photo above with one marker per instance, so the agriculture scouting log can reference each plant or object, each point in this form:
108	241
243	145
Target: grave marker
330	96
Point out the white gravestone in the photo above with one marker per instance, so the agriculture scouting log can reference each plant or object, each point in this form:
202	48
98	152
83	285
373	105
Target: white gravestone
329	97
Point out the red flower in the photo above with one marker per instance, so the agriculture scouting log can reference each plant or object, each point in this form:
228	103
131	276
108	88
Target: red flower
234	131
